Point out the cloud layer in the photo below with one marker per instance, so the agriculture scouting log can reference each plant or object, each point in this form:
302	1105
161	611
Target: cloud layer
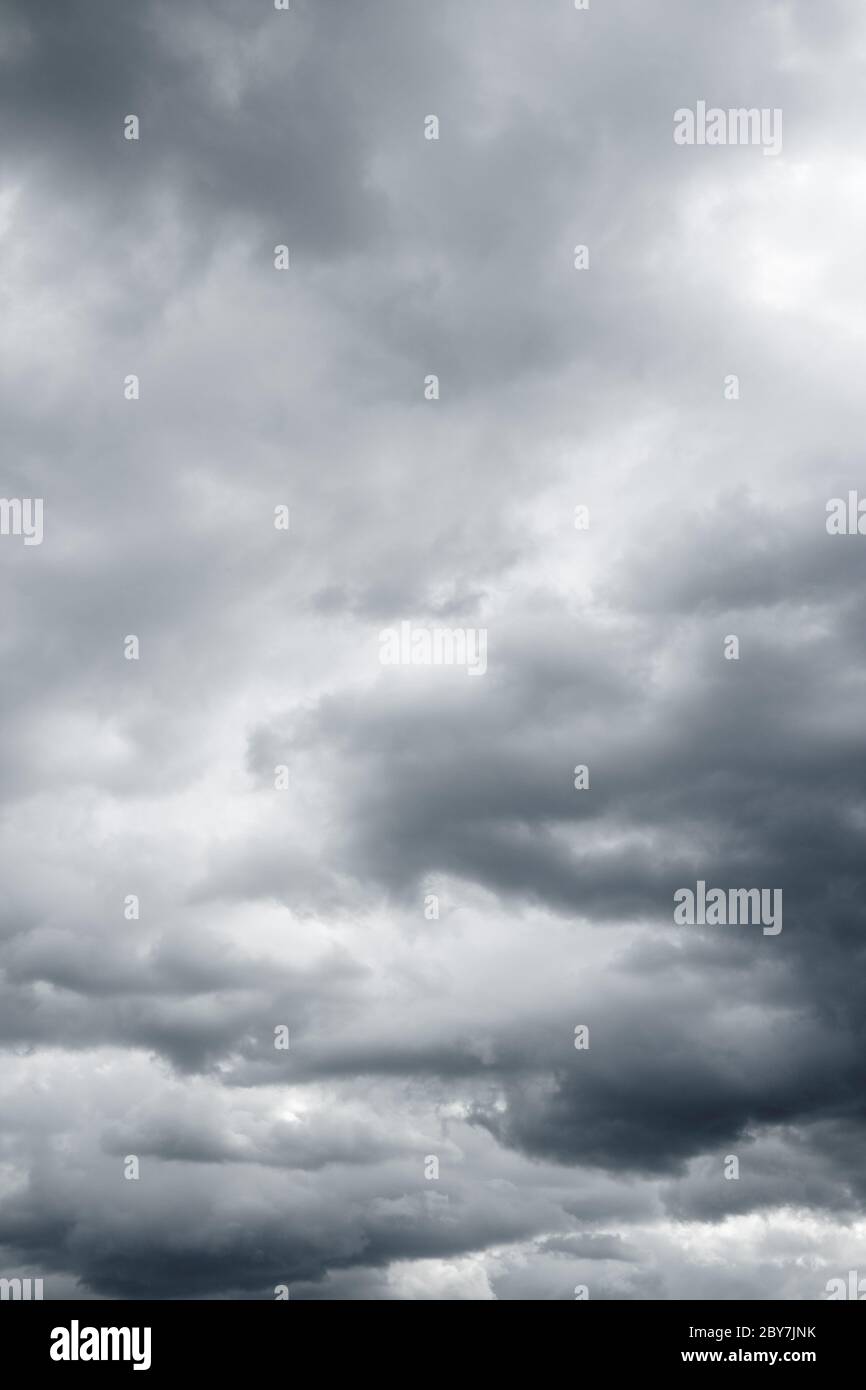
415	1037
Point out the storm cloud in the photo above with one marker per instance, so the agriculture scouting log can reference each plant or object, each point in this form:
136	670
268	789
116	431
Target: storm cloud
257	826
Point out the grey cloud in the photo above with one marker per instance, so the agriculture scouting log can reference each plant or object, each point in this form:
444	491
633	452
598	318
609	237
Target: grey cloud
411	1036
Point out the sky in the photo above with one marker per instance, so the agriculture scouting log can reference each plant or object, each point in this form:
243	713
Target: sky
253	824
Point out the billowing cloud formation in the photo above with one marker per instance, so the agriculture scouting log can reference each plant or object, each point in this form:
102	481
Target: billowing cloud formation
431	1131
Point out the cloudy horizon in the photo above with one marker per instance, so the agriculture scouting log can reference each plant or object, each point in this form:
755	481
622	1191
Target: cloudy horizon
401	322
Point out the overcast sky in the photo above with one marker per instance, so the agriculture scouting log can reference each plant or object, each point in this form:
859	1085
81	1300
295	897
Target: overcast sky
413	1037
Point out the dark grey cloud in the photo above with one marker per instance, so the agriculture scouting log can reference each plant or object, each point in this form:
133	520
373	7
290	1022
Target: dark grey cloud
417	1037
